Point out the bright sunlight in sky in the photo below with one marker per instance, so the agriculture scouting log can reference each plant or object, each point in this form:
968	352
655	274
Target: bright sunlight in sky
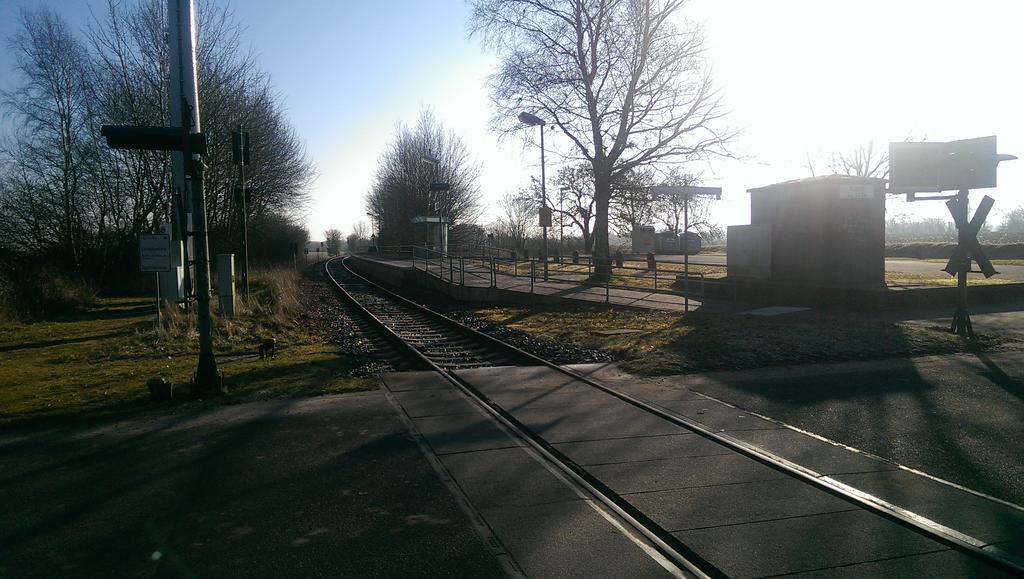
803	78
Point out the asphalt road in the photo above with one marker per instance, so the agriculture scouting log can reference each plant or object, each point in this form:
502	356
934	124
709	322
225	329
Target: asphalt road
1014	272
920	266
316	487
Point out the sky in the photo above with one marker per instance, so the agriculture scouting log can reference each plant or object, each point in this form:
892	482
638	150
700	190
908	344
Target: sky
802	78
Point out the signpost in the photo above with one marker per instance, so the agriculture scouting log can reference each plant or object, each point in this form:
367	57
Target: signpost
954	166
687	192
155	257
154	252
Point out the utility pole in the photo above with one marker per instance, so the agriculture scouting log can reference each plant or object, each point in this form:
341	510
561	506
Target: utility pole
185	114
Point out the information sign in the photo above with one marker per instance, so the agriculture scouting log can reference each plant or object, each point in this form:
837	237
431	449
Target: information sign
155	252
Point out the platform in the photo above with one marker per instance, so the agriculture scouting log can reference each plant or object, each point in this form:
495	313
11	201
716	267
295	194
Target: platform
475	283
746	518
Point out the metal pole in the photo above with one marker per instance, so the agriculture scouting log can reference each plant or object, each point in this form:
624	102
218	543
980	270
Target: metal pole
158	300
532	274
462	271
544	197
561	226
961	319
181	21
208	380
686	254
245	210
183	103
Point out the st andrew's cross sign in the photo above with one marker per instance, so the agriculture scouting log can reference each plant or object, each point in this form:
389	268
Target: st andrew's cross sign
957	165
971	249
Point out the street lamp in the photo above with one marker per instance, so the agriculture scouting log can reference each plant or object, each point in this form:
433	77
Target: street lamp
535	121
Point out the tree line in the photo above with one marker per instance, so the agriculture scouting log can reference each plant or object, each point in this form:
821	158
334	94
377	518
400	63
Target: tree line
69	201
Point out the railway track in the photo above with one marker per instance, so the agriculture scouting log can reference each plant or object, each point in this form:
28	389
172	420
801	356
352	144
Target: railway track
438	343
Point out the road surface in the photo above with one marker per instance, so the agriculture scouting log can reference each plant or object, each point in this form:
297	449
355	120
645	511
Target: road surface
902	265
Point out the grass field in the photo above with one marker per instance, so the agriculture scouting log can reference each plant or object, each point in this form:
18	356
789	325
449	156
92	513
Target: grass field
670	343
99	360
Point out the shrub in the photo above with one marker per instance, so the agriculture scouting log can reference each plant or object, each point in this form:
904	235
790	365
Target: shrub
27	292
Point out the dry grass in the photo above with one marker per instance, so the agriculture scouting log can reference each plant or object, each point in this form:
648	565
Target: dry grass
902	278
99	360
671	343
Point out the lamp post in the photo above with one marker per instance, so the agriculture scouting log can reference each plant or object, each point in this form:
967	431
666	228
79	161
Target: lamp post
535	121
561	221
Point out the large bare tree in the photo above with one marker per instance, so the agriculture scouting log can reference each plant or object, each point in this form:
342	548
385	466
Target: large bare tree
45	204
623	80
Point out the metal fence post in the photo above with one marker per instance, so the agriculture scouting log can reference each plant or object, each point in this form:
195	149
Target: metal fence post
494	275
451	272
462	271
532	268
607	292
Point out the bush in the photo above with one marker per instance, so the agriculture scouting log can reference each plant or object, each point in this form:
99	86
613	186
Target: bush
27	292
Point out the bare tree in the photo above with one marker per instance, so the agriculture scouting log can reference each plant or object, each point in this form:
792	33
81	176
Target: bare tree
333	239
401	186
864	161
45	200
517	218
575	185
78	203
671	208
619	78
632	203
1013	221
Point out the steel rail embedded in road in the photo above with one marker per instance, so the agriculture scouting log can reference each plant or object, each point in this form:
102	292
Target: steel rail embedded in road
672	546
688	563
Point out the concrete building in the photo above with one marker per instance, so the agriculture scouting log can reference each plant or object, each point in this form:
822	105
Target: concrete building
822	231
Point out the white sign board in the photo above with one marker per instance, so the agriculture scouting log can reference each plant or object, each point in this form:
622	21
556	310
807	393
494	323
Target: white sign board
155	252
687	191
934	167
856	191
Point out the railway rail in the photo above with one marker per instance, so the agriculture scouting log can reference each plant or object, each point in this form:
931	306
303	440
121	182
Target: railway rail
446	346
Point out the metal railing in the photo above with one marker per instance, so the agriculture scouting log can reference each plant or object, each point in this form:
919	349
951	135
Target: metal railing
483	270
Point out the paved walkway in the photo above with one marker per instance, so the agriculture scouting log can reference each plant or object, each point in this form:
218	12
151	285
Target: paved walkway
570	287
743	517
329	486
